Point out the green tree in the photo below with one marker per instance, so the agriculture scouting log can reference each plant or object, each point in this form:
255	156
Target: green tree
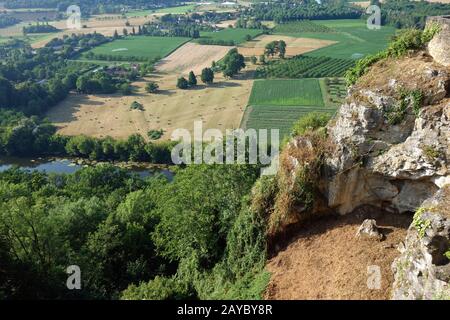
151	87
192	80
207	76
233	62
125	89
182	83
262	59
282	49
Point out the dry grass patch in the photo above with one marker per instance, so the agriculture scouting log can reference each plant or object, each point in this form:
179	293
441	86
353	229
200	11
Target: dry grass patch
191	56
218	106
294	46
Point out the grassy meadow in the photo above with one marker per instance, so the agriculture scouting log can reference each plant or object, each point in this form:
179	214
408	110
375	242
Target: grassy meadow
140	46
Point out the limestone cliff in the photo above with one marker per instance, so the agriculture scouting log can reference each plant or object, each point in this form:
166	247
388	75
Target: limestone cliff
389	147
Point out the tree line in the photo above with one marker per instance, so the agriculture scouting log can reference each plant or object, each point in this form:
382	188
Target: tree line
410	14
30	136
39	28
288	10
32	81
7	20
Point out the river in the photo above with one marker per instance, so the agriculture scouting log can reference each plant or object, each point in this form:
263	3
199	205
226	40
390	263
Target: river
68	166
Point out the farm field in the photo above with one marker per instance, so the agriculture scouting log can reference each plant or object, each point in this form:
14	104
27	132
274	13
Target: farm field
104	24
191	56
334	91
140	46
220	106
294	45
353	38
301	26
268	107
286	93
305	67
236	35
277	117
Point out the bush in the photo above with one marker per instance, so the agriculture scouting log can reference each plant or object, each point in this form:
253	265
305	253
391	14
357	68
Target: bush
125	89
136	106
151	87
160	288
405	40
155	134
182	83
310	122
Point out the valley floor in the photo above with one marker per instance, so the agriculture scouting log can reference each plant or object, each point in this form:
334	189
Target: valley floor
324	259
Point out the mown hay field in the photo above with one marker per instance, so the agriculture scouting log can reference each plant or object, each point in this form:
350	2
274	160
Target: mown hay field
294	45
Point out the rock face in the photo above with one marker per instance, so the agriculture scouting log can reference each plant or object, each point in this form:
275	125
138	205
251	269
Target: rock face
392	137
369	230
422	271
439	47
389	147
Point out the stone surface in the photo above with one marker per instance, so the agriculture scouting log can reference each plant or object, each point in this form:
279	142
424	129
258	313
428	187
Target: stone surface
395	167
439	46
369	230
422	271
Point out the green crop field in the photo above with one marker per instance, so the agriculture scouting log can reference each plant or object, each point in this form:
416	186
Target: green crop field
235	35
277	117
301	26
286	93
354	39
139	47
305	67
277	104
334	91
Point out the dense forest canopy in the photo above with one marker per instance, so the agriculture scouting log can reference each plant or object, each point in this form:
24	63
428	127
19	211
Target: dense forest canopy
399	13
124	231
288	10
410	14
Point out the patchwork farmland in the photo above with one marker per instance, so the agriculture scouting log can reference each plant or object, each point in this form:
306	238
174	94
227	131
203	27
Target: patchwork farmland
277	104
305	67
353	39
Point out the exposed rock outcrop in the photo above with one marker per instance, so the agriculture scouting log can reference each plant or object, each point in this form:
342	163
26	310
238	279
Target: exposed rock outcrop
390	153
422	271
369	230
439	47
390	149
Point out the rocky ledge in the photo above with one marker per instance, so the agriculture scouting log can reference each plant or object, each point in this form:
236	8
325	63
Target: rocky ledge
422	271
